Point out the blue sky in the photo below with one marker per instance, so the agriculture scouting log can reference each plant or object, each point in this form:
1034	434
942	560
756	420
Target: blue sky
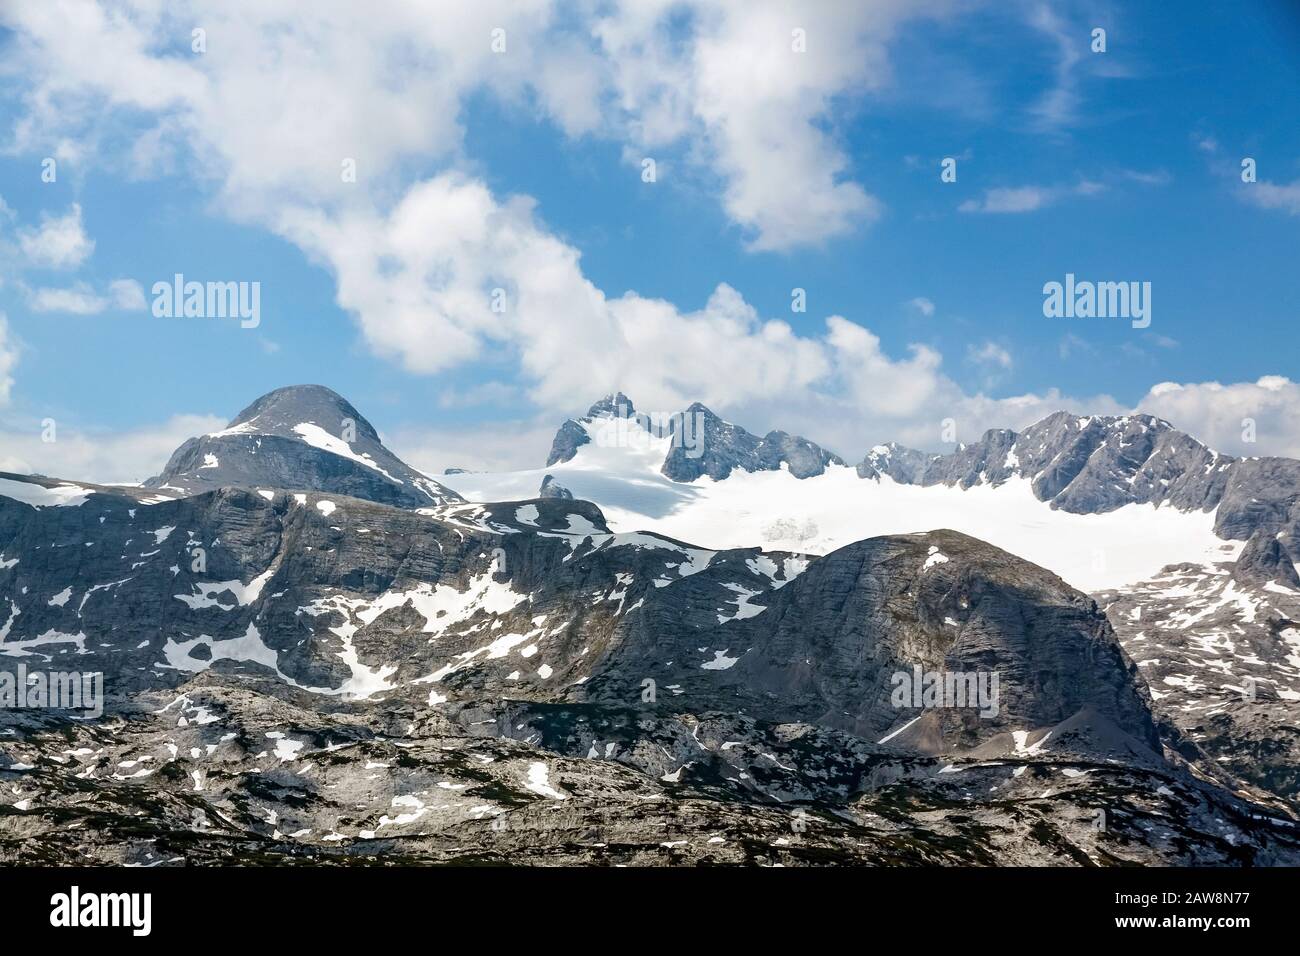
222	165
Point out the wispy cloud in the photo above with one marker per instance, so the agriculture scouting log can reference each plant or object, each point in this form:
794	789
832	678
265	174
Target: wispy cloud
921	304
1057	107
989	354
1071	345
1158	177
1266	195
1021	199
122	295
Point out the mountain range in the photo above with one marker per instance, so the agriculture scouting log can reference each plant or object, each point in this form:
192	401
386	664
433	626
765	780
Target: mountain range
1080	464
313	651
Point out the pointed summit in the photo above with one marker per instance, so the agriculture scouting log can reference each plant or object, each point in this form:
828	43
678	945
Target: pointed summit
615	405
573	433
304	437
278	411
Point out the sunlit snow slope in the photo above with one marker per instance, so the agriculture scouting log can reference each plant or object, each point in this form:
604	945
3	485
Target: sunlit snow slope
620	471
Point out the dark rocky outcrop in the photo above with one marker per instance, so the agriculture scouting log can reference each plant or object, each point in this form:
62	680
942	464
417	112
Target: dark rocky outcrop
550	488
1265	560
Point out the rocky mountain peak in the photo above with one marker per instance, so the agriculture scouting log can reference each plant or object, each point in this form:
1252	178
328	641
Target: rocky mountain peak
278	411
703	443
300	437
614	405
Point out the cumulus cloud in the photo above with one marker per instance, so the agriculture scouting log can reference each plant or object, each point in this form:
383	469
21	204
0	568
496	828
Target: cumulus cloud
452	273
763	103
273	108
59	242
922	304
285	91
1243	418
751	86
98	456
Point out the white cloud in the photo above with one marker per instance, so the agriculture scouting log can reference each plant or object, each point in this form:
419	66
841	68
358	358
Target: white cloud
60	242
421	282
1016	199
499	446
760	108
1009	199
8	361
1072	344
287	89
1216	413
1058	106
1283	197
922	304
274	106
1160	177
989	354
98	456
124	295
1266	195
416	264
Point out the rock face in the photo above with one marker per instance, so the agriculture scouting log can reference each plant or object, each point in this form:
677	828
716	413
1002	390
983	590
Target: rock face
704	444
826	647
301	437
1262	494
904	465
1265	560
